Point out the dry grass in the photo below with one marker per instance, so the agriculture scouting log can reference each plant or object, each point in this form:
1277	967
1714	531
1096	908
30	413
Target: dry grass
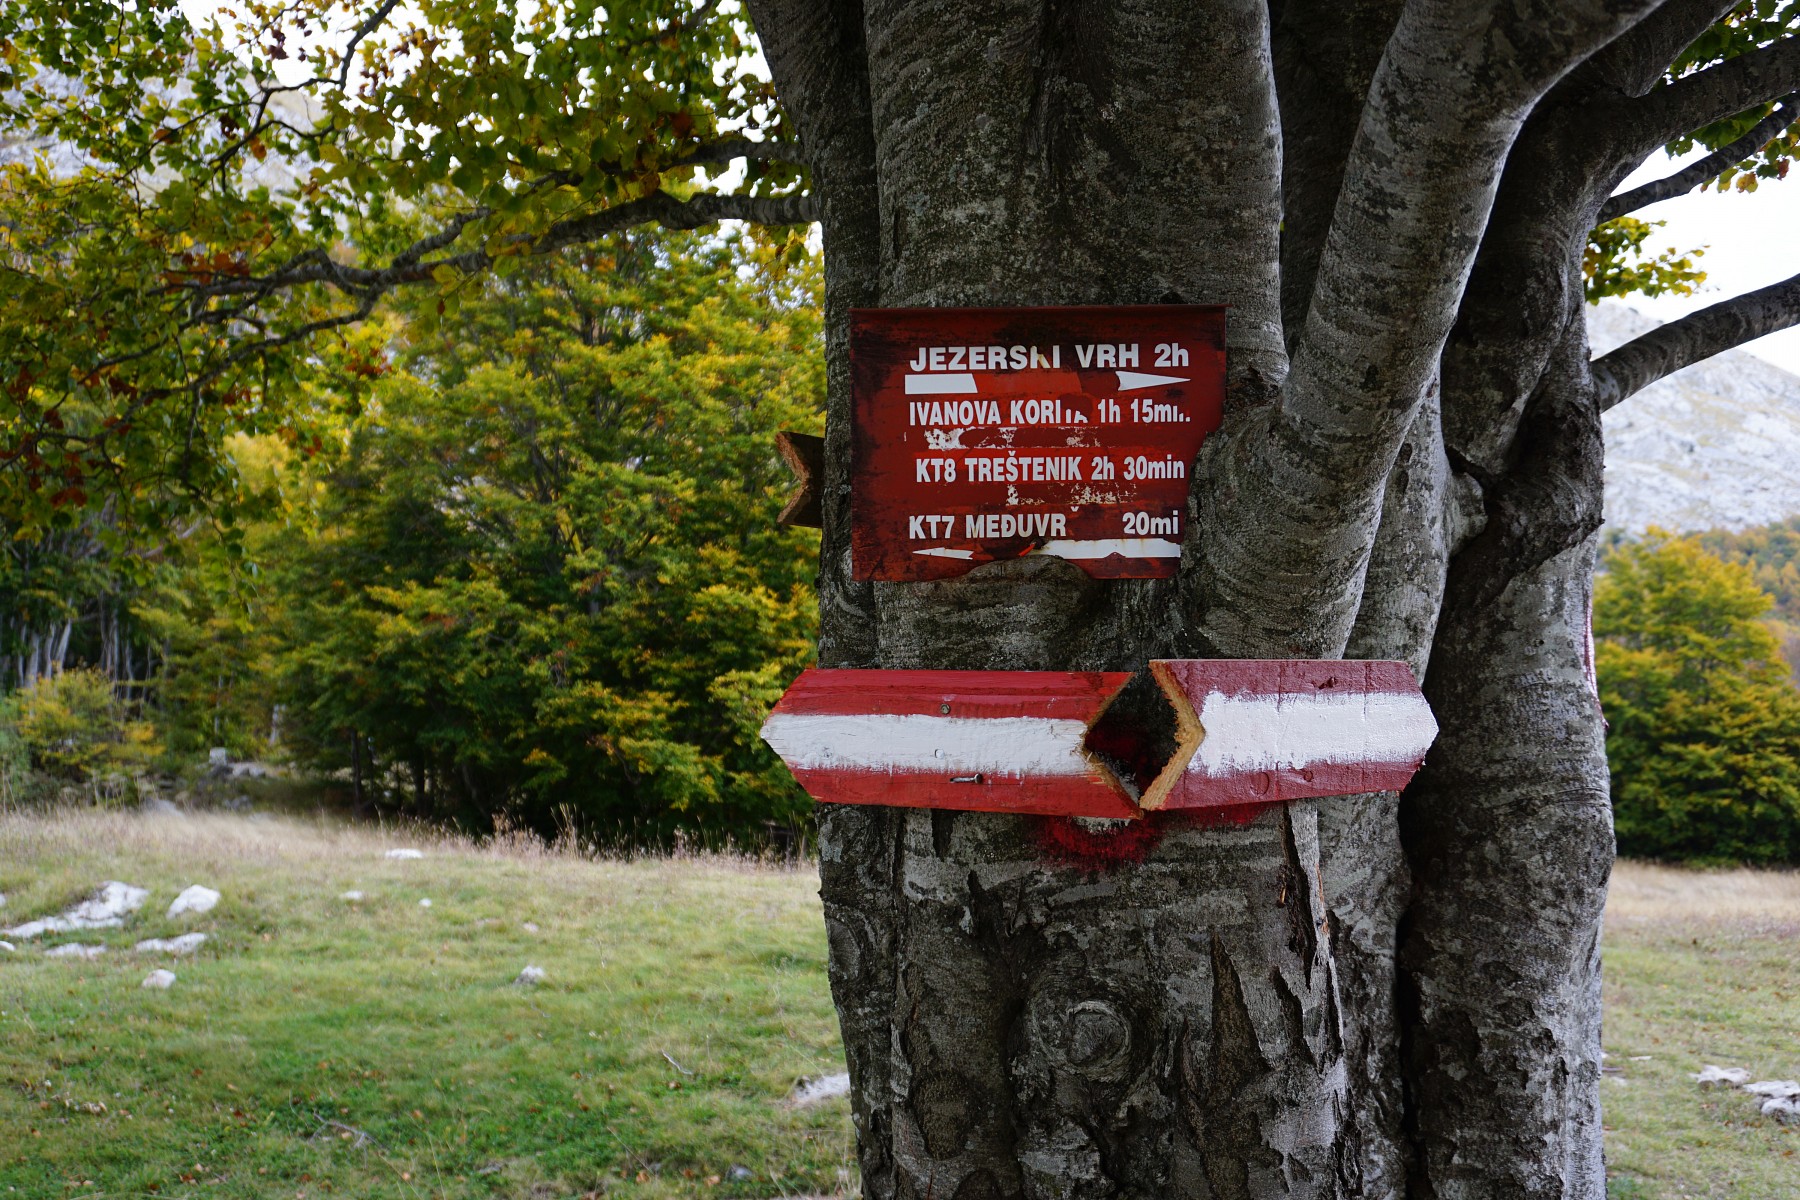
269	838
1648	893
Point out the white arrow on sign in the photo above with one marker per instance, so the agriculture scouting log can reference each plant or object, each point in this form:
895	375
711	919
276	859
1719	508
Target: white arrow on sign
1131	381
1259	730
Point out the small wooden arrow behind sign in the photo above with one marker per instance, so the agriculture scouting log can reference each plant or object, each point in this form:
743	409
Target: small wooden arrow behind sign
1246	732
990	741
804	455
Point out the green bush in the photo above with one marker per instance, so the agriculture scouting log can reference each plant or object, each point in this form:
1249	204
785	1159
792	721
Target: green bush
541	580
1704	724
72	729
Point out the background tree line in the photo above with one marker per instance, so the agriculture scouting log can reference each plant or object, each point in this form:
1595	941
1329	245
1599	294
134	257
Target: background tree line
523	564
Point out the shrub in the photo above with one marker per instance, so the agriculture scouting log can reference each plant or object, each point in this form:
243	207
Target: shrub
72	729
1704	724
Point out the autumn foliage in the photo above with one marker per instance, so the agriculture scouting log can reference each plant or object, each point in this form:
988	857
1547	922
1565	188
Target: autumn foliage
1704	737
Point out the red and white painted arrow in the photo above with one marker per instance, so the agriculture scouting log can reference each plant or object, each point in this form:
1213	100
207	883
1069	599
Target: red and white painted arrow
991	741
1248	732
1258	730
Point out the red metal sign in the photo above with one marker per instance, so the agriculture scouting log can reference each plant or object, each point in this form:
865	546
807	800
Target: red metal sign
991	433
1248	732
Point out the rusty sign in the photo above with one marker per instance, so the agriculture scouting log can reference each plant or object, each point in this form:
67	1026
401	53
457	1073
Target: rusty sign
982	434
1247	732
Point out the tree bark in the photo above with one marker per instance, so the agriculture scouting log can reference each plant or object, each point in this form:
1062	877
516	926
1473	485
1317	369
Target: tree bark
1297	1001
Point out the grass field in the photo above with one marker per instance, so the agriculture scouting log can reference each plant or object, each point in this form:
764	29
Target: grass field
1701	967
322	1047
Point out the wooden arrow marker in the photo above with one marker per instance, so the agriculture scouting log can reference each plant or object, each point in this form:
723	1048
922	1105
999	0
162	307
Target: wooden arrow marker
1259	730
988	741
1246	732
804	455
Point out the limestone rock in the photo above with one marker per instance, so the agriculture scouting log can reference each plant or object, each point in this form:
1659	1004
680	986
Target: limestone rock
107	908
820	1088
159	978
1784	1112
404	854
74	950
530	976
187	943
1775	1089
1705	448
1711	1076
196	899
352	896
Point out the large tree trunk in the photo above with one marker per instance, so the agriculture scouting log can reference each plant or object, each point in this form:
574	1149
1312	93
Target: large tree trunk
1039	1007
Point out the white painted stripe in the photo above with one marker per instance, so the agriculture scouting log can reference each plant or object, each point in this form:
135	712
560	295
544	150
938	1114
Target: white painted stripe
1265	733
941	385
911	742
1131	381
945	552
1129	547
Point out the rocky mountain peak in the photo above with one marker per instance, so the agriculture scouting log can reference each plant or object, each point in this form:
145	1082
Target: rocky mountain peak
1714	446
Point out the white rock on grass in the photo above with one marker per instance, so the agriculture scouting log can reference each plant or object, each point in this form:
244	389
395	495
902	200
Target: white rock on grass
821	1088
425	904
74	950
530	976
1777	1099
404	854
8	947
1775	1089
196	899
159	978
107	908
352	896
1784	1112
187	943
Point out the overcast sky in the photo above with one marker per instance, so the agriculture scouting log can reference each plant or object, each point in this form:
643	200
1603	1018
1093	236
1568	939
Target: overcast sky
1751	239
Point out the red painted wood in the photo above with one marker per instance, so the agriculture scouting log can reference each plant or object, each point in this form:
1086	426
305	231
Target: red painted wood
1011	741
1288	729
1074	695
1251	732
1014	466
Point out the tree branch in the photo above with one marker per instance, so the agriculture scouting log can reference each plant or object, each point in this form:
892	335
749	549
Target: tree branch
411	265
368	285
733	148
1633	64
1717	92
1668	348
1692	176
1446	105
